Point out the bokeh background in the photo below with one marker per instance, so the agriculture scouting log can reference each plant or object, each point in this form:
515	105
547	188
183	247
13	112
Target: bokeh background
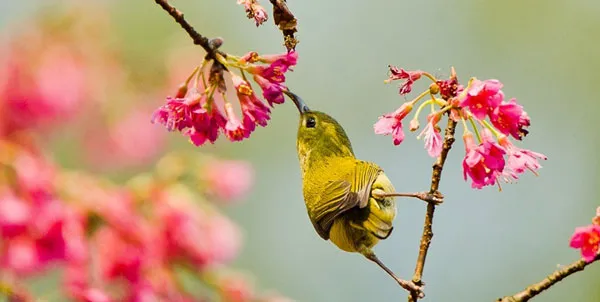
487	243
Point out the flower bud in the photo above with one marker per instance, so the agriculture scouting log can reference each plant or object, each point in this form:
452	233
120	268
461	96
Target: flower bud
181	91
413	125
215	43
434	88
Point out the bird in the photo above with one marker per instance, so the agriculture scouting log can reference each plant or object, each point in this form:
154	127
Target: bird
350	202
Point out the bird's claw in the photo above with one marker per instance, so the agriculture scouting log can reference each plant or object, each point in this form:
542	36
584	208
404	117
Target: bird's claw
414	289
436	198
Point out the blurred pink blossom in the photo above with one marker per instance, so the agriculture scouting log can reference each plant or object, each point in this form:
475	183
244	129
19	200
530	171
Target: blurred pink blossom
45	94
205	239
126	143
228	180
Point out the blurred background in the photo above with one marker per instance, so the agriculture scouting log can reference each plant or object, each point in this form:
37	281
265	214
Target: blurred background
487	243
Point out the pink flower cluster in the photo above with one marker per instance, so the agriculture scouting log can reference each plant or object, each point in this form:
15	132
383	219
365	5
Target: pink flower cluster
35	225
113	241
197	111
34	96
490	155
52	75
254	11
587	239
128	237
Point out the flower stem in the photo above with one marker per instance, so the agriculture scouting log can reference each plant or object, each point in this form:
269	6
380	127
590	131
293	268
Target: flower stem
430	76
487	125
475	129
420	108
191	76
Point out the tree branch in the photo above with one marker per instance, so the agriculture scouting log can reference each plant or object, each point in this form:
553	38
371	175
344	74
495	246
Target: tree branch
537	288
204	42
435	184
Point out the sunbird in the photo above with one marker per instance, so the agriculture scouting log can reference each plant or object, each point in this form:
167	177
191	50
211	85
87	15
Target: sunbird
349	201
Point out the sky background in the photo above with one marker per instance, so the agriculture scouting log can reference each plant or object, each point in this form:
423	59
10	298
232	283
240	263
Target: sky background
487	243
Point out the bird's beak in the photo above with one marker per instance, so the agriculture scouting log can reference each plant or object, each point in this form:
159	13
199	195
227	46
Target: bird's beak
302	108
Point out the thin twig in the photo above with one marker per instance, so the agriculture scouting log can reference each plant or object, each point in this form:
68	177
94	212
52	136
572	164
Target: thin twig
427	226
537	288
198	39
448	90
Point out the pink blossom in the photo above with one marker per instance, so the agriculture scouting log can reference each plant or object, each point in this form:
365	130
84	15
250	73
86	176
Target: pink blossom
234	129
482	97
48	229
224	238
587	239
275	72
123	145
510	119
271	78
15	214
254	10
41	91
519	160
409	78
255	112
177	113
203	238
94	295
433	138
61	79
482	163
272	92
228	180
260	14
118	257
206	125
32	252
391	123
20	256
34	175
45	239
289	58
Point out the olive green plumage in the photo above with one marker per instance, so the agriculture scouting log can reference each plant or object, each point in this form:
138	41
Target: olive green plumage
337	187
349	201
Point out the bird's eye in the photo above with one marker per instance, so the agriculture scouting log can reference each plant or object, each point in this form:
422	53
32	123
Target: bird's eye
311	122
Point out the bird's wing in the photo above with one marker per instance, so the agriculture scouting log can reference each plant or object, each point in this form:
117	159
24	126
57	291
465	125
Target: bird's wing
339	196
364	176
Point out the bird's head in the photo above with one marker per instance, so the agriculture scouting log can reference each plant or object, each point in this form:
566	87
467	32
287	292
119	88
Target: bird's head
319	135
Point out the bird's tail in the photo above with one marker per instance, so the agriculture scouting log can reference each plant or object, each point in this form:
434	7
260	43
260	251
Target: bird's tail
378	221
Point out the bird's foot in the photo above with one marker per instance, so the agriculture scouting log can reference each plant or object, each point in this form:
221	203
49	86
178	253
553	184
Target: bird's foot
414	289
436	198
